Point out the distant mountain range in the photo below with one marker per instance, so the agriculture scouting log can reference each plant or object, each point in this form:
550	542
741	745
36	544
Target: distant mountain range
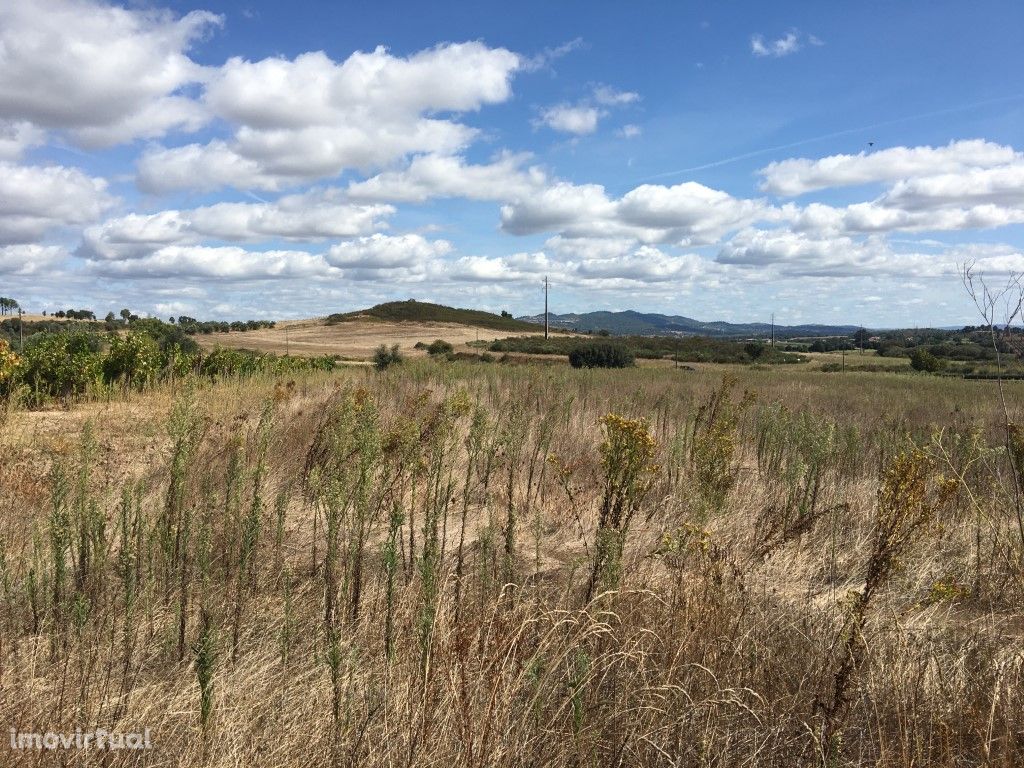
633	323
628	323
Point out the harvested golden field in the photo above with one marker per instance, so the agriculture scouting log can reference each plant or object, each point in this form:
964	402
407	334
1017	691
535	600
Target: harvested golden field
475	564
356	339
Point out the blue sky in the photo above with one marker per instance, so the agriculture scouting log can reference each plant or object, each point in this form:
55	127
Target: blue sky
828	162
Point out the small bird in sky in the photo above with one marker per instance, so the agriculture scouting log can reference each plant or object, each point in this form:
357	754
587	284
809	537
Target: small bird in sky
871	143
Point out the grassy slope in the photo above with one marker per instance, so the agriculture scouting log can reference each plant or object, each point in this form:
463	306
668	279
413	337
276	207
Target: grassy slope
425	312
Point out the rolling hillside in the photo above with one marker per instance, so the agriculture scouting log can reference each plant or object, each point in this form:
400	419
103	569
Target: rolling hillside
635	323
425	312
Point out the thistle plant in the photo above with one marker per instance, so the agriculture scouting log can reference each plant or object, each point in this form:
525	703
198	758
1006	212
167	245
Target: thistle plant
390	562
474	444
513	438
184	427
288	617
801	460
90	544
205	652
60	539
129	566
280	511
627	459
910	496
714	443
251	525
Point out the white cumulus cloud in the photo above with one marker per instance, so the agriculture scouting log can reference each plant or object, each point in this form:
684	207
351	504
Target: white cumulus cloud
229	263
582	117
379	251
307	118
102	73
37	199
797	176
579	119
432	176
29	258
314	215
685	214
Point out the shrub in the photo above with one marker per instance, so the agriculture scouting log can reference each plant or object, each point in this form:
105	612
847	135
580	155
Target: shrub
134	360
440	347
754	349
627	459
166	336
384	358
600	356
61	364
229	362
923	360
9	364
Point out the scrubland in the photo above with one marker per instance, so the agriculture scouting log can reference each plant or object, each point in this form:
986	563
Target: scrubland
457	563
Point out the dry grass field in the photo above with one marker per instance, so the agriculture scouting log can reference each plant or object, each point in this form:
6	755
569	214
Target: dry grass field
455	563
355	339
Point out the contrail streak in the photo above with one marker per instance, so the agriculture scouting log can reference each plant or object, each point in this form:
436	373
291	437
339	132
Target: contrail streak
836	134
254	196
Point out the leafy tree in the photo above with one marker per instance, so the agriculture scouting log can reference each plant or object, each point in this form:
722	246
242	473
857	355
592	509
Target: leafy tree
126	315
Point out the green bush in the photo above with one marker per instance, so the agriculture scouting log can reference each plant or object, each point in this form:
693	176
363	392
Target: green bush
384	358
440	347
230	362
61	364
923	360
600	356
134	360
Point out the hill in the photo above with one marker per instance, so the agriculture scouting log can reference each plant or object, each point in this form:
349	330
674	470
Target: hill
635	323
426	312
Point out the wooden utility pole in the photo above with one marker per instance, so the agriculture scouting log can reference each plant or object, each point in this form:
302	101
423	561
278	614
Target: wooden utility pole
21	328
773	330
546	306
